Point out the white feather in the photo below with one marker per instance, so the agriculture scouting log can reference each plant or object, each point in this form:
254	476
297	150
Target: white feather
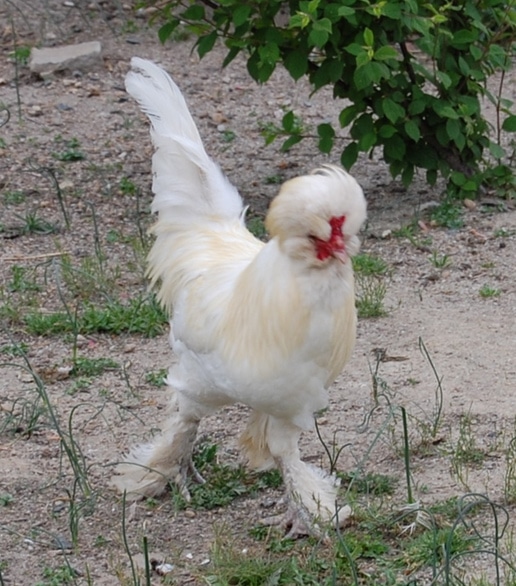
187	183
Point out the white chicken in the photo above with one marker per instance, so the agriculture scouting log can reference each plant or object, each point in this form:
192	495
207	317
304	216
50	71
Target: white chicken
267	325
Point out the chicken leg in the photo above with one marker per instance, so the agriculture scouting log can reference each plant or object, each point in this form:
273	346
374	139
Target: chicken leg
148	468
310	492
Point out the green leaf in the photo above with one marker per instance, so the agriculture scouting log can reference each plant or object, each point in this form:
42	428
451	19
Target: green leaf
296	63
460	141
476	52
444	110
312	6
347	115
299	20
318	38
363	125
354	49
367	141
324	24
345	11
412	130
394	149
458	178
193	12
423	156
407	175
232	53
470	185
368	37
444	79
205	43
349	155
509	124
363	58
392	9
369	74
288	121
496	150
453	128
269	53
464	66
392	110
386	131
464	37
241	14
431	176
470	105
326	136
167	29
259	70
386	52
291	141
417	106
498	56
329	72
396	168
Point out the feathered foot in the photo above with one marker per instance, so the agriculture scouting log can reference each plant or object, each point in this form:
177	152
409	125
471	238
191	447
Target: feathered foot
312	496
298	522
149	468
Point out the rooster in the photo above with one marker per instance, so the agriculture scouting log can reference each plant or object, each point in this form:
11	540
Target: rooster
266	325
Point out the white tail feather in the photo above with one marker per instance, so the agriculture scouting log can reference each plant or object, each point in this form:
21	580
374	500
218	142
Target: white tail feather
187	183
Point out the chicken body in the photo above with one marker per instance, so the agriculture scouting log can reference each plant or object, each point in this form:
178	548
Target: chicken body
267	325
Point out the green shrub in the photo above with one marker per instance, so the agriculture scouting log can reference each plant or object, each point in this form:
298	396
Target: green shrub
414	74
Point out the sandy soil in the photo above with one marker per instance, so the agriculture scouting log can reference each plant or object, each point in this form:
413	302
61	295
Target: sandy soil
471	339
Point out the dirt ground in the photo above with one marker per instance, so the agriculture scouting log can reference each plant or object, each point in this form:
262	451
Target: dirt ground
471	339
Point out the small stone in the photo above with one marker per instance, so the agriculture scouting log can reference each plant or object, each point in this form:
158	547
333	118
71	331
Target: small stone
428	205
218	118
80	340
67	184
25	377
72	57
469	204
35	111
62	542
162	569
59	506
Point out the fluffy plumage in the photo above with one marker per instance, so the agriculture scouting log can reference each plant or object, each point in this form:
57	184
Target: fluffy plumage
268	325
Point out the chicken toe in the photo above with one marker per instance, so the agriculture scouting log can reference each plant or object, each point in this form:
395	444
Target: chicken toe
298	522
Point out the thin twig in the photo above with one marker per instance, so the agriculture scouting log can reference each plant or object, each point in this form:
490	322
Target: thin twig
33	257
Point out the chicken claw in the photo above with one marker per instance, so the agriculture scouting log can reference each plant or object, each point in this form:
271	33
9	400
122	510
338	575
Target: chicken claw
299	523
186	471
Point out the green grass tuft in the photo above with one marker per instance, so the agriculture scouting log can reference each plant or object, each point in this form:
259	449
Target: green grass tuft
223	483
84	367
142	315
